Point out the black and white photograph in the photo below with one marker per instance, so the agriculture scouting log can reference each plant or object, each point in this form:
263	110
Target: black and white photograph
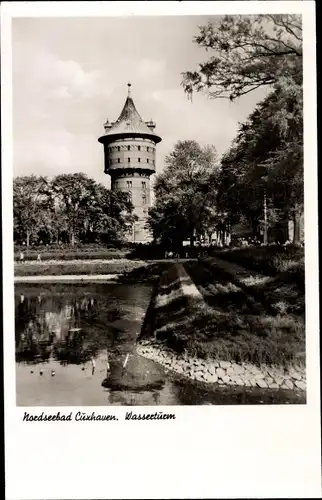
158	208
160	250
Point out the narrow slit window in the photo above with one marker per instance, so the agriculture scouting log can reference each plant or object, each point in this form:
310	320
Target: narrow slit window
118	148
118	160
139	160
143	184
147	160
139	148
128	160
128	148
144	199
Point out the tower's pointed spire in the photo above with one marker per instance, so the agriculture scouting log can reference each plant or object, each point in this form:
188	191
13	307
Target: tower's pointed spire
130	122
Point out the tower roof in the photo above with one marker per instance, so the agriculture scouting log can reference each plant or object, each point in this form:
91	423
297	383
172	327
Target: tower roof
129	123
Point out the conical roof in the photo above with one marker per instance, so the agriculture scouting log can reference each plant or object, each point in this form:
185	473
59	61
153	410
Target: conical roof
129	123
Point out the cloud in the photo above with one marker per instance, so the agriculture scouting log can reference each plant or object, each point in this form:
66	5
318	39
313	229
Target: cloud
150	67
66	86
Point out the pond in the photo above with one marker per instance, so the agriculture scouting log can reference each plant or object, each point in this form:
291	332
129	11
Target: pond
75	345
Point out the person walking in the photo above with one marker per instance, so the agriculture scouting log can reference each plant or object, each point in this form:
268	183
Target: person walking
93	365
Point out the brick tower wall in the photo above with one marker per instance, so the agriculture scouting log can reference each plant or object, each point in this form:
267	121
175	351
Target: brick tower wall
130	163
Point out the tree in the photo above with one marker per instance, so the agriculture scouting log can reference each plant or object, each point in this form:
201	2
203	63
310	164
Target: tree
266	160
185	193
31	205
74	194
109	215
88	210
249	52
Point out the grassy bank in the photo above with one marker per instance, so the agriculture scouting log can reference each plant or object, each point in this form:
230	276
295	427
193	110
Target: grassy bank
77	268
227	324
283	293
85	252
269	260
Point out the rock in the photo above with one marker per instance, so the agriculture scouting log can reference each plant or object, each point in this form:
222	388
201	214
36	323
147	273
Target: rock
259	376
288	384
211	370
224	364
273	385
248	376
231	382
215	364
238	368
239	381
220	372
247	383
230	370
261	383
225	379
279	380
295	375
269	380
247	366
300	385
254	382
212	378
220	382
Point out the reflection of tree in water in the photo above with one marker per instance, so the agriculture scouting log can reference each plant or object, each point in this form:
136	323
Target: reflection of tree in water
32	345
71	328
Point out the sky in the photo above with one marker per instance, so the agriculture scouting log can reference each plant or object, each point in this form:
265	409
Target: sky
71	74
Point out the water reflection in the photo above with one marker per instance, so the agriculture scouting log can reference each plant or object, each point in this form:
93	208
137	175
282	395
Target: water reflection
81	340
75	326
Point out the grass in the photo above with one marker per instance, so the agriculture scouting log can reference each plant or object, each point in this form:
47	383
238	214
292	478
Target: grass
70	254
227	325
77	268
282	293
269	260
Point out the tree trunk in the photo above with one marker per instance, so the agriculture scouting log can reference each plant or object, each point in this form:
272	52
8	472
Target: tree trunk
297	226
28	238
265	231
192	238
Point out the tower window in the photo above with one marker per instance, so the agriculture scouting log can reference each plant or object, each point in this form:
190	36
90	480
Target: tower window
128	148
144	199
128	160
118	160
139	160
118	148
147	160
129	184
143	185
139	148
147	148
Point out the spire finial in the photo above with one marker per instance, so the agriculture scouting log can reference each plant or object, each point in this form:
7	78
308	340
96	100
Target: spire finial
129	89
